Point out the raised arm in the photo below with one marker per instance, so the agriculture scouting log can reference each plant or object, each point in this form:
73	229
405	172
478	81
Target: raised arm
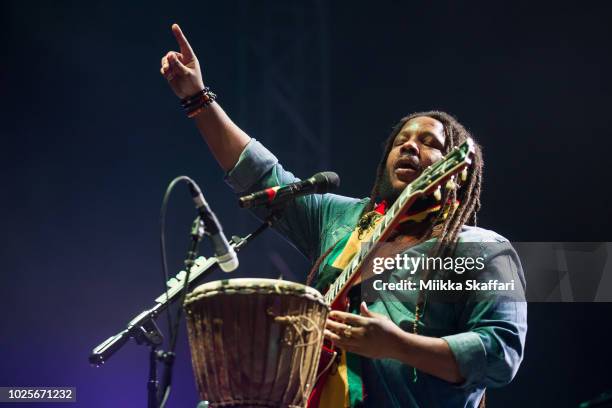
184	75
249	166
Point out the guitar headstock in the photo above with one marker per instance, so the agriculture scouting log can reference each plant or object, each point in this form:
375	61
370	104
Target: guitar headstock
445	171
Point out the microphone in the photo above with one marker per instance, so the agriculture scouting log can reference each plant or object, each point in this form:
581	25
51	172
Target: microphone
225	254
320	183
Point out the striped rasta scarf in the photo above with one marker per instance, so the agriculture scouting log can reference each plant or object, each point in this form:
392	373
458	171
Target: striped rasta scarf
344	386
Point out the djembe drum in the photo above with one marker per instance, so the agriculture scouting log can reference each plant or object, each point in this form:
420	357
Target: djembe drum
255	342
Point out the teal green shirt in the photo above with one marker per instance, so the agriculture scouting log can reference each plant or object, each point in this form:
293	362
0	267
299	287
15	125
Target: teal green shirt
487	338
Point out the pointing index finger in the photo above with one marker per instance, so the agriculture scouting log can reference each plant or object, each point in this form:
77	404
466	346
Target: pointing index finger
182	41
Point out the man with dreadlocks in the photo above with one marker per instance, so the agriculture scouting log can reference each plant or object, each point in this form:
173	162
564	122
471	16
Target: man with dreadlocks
404	351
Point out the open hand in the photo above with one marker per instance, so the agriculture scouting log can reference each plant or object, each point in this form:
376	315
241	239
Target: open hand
370	334
182	69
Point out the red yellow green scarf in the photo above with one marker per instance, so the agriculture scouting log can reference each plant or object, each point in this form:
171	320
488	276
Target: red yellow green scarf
344	387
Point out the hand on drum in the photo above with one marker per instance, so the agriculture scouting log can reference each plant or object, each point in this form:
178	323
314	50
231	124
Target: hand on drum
370	334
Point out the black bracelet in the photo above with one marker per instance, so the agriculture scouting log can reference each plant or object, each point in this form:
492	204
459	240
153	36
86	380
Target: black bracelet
193	99
195	104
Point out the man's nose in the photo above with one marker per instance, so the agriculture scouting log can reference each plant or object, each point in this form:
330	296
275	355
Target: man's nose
410	147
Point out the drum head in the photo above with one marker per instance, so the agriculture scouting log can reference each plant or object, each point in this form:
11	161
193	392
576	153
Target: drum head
253	285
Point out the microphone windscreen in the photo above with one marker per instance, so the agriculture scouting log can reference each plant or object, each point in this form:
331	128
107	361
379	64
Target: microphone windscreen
326	181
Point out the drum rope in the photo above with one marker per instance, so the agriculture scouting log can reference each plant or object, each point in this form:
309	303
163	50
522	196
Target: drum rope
297	323
303	326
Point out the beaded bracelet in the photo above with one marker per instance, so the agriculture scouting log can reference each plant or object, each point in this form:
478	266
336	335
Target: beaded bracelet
195	104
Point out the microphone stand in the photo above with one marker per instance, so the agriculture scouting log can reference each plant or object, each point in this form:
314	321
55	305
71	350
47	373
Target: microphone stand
143	328
197	232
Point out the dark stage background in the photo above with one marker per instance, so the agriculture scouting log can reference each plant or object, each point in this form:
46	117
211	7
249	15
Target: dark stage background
91	135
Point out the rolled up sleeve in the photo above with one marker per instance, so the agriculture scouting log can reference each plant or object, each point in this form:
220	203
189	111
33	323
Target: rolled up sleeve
489	350
249	172
470	355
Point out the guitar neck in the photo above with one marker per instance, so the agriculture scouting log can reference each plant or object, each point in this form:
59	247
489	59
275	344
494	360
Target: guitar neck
381	232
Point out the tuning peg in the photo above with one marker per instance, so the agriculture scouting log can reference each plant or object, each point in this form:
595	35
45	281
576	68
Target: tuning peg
450	184
464	174
438	194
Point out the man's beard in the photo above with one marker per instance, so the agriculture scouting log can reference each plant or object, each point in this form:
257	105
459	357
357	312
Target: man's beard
386	190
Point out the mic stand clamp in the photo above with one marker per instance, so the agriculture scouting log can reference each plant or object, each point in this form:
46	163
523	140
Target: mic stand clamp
273	216
147	332
197	232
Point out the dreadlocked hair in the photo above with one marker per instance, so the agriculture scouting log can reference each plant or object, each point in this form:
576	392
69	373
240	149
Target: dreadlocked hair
450	219
468	195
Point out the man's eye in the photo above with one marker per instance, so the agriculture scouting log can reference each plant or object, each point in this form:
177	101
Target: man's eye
430	142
